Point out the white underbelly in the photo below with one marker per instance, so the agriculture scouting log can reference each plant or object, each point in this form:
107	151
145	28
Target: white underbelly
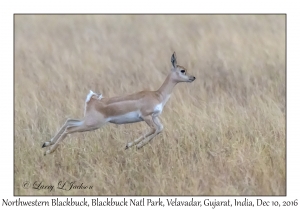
130	117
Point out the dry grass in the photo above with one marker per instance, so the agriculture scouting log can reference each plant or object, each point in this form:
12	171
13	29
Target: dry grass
224	133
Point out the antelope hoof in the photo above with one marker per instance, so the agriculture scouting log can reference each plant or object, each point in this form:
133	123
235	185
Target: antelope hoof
47	152
126	147
44	145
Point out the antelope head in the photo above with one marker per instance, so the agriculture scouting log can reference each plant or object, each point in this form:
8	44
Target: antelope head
179	73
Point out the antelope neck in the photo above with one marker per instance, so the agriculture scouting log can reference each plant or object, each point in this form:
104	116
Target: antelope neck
167	87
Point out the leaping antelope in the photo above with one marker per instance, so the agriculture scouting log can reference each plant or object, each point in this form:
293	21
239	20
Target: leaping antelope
142	106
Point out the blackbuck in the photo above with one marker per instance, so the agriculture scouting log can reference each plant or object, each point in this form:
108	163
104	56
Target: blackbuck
142	106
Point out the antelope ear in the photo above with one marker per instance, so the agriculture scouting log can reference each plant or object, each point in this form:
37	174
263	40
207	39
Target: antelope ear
173	60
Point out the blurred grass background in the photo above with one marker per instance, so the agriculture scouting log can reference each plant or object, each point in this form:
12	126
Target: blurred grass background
224	134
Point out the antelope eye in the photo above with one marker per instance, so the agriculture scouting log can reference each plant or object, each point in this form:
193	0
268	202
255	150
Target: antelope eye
182	71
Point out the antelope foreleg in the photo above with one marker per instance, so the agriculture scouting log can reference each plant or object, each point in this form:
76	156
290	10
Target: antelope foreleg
159	128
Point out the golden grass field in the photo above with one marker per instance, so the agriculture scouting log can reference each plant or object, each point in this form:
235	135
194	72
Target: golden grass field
224	134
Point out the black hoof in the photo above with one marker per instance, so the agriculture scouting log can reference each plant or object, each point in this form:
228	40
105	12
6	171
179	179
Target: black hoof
139	147
44	145
126	147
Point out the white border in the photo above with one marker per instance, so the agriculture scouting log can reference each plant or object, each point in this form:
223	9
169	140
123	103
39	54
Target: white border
112	6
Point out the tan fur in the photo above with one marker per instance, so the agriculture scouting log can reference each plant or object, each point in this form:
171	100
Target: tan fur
142	106
144	100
